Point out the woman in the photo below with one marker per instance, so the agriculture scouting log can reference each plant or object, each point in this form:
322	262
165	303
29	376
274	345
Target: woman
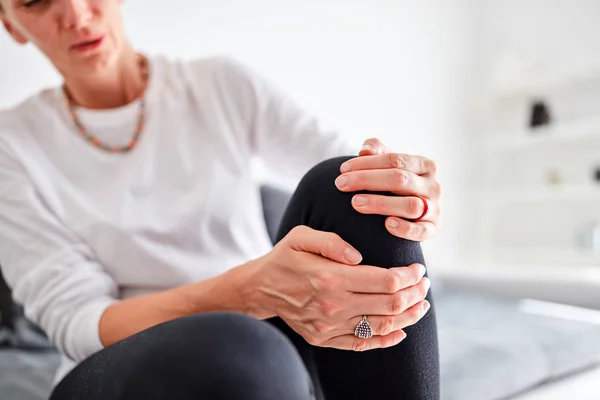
131	230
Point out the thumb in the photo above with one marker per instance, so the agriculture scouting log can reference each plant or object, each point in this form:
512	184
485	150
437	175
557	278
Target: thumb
327	244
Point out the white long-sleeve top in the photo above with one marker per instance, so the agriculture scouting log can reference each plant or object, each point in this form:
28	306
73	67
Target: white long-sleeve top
81	228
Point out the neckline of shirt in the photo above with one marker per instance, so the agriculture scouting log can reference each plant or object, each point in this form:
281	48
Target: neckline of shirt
125	113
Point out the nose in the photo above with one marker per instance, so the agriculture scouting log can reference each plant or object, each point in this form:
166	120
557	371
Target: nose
76	14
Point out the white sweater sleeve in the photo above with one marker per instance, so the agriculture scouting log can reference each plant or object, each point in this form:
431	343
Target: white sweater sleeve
51	272
287	137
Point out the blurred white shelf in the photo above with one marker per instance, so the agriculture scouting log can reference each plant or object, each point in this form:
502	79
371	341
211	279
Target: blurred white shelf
566	284
558	310
528	272
559	133
538	195
546	256
548	82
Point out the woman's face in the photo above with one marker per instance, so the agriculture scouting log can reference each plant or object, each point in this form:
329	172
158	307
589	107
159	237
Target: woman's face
78	36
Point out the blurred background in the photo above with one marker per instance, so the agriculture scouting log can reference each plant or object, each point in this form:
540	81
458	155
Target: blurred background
503	95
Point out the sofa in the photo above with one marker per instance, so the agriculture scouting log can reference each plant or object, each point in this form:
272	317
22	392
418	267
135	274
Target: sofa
489	348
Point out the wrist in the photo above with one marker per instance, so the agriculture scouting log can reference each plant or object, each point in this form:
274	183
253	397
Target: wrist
236	290
244	283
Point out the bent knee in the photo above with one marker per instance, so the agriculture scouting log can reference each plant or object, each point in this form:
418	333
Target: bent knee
324	206
325	171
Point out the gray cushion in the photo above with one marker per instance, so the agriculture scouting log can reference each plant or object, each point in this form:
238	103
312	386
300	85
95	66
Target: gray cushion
490	349
27	375
274	202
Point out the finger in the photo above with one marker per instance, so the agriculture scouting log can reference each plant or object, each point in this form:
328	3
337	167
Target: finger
396	181
327	244
351	342
415	231
415	164
372	146
389	304
400	206
369	279
384	325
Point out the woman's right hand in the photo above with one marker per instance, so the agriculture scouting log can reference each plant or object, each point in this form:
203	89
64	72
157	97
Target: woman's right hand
312	280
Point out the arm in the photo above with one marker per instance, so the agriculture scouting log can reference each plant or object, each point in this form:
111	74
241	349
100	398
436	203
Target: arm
286	136
64	290
51	272
221	293
291	141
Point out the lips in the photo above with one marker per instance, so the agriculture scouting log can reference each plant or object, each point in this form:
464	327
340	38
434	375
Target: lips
89	44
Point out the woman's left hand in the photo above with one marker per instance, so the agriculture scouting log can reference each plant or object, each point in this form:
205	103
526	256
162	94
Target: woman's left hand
410	177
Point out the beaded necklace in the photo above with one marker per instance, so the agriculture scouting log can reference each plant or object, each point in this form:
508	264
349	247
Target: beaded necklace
139	126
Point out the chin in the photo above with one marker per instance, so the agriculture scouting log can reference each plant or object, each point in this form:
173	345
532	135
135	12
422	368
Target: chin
96	62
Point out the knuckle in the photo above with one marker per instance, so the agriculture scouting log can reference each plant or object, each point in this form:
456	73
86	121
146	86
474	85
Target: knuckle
422	289
385	326
413	318
327	307
424	232
360	344
416	316
437	189
416	277
392	283
396	160
332	242
400	177
387	341
421	232
406	230
380	205
398	303
415	206
430	166
326	281
299	230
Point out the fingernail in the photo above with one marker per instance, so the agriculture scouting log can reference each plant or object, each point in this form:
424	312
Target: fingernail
360	201
426	306
422	270
345	167
366	147
341	181
352	255
392	223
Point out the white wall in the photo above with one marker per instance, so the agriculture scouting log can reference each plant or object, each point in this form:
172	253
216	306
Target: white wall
395	69
518	40
546	34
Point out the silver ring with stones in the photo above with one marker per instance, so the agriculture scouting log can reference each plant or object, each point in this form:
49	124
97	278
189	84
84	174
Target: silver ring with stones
363	329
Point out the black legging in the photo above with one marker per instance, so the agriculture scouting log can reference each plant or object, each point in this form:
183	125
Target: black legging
233	356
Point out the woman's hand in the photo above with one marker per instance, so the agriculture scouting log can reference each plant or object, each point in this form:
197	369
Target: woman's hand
378	169
312	281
